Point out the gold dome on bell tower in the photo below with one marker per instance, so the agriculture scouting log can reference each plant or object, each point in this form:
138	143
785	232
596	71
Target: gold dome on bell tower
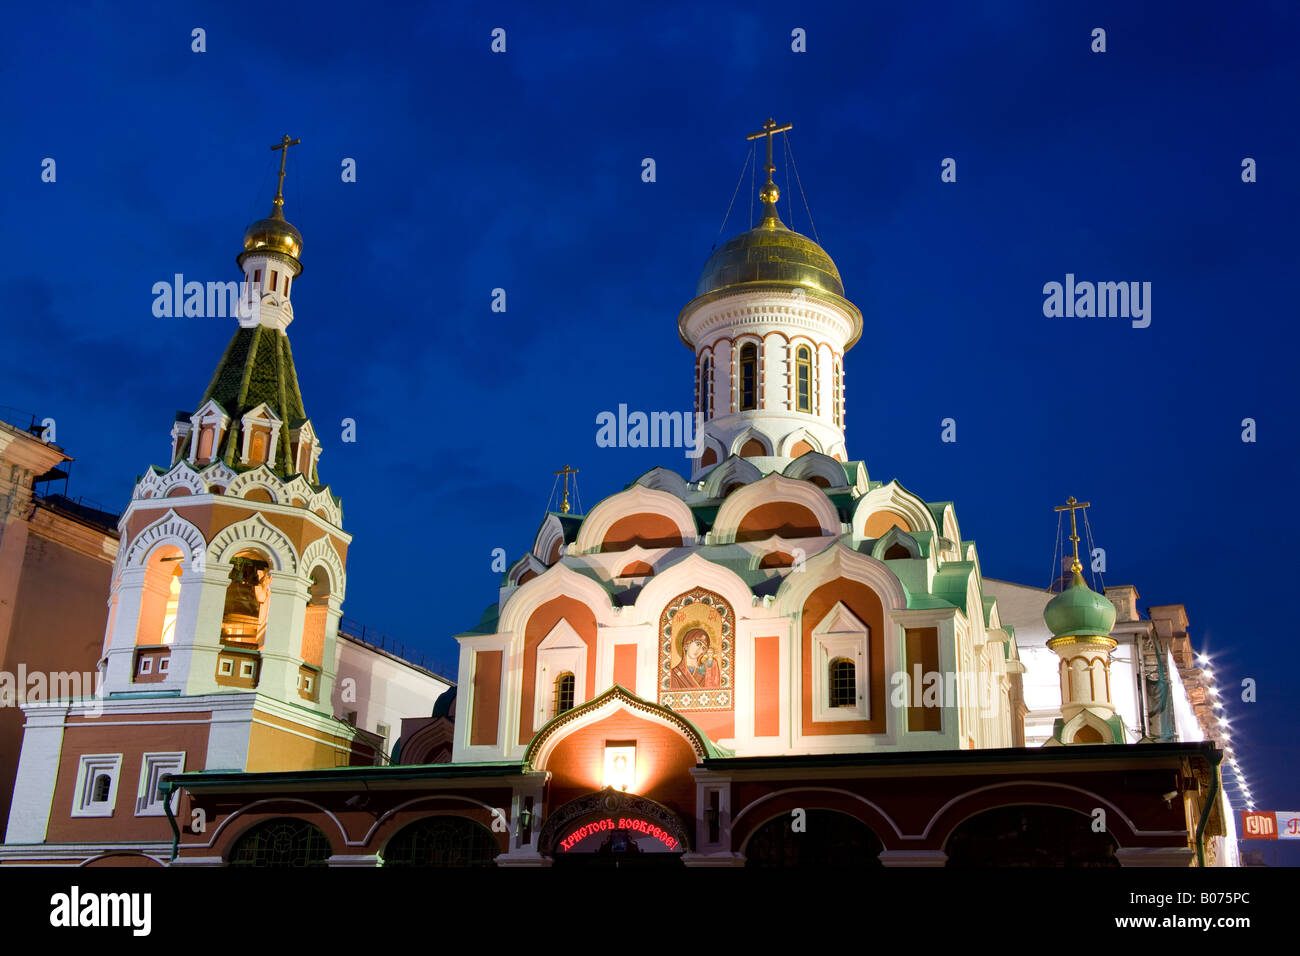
275	234
770	253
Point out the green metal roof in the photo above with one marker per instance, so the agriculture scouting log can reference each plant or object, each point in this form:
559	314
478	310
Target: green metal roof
257	367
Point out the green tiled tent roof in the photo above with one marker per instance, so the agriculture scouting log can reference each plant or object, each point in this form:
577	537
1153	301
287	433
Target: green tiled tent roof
257	367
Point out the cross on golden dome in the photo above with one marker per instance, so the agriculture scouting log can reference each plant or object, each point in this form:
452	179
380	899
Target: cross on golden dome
769	193
284	145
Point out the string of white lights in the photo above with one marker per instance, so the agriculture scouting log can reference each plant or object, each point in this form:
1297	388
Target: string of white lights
1233	776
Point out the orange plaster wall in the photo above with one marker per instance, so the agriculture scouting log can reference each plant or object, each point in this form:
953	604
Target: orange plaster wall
59	612
646	529
625	666
767	686
923	650
866	605
487	698
283	746
663	759
116	734
880	522
716	724
784	518
583	621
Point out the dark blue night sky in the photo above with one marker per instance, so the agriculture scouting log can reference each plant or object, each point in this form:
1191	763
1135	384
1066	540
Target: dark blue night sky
522	171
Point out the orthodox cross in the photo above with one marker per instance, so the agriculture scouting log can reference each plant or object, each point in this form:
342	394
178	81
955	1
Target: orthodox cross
769	129
566	472
284	145
1071	505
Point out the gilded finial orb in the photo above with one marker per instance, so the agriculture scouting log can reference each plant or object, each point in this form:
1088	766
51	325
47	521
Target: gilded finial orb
273	234
769	193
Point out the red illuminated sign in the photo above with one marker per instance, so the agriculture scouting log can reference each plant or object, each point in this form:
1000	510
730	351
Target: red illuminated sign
1259	826
612	825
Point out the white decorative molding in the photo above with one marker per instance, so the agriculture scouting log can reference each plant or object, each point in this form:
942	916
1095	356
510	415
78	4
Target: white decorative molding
558	580
840	561
814	464
840	634
635	500
321	551
90	768
255	532
896	499
562	650
729	471
170	529
153	766
785	448
260	477
774	488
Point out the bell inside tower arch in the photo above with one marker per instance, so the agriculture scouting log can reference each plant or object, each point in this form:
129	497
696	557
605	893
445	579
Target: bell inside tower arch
243	620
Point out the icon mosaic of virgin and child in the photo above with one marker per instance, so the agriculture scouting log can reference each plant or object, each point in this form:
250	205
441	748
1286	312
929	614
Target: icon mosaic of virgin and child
698	664
697	640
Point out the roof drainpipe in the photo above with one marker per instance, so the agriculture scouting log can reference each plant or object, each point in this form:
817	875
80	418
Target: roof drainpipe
1205	816
166	787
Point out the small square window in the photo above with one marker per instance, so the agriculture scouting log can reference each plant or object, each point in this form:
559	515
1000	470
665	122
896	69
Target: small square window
163	664
307	684
226	667
149	802
246	669
146	665
96	787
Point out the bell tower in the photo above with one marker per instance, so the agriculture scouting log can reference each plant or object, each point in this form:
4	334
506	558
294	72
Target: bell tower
769	326
231	571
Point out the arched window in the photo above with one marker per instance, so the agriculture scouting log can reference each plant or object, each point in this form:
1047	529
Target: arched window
243	621
282	842
102	784
160	598
830	839
173	605
706	392
803	379
257	448
836	399
748	377
843	683
442	841
563	693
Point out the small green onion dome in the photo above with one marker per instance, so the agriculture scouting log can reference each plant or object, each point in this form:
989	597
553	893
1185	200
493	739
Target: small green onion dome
1079	611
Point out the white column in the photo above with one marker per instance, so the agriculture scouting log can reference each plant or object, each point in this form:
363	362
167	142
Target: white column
282	648
38	772
193	666
121	644
328	661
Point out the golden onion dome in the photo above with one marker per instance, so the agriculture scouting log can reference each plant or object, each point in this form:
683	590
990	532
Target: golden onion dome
770	253
273	234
